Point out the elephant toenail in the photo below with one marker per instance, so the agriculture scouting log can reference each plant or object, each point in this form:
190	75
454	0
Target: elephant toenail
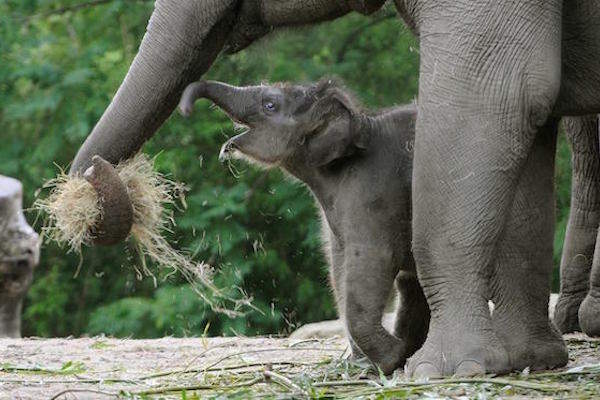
469	368
426	370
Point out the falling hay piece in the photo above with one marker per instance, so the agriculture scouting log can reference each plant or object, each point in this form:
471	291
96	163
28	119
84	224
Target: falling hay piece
73	210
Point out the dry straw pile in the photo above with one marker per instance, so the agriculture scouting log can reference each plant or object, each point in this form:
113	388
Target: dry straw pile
72	210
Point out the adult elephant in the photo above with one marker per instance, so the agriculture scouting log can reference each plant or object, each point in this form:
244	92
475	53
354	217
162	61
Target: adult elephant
495	77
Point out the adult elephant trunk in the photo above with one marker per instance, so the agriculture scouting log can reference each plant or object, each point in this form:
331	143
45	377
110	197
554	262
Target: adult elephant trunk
240	103
181	42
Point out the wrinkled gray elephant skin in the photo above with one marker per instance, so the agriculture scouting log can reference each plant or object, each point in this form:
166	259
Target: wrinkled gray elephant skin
359	168
19	254
332	328
495	77
579	302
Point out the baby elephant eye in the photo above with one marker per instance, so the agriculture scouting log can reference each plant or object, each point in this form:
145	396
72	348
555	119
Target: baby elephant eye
269	106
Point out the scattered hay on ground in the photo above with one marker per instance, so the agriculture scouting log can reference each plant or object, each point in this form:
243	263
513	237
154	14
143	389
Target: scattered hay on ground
242	368
72	211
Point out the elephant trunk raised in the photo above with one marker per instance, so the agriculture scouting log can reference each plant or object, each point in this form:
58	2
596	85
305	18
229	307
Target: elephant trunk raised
182	40
238	102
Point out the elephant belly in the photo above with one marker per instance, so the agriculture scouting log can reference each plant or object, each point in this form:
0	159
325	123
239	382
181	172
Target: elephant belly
580	85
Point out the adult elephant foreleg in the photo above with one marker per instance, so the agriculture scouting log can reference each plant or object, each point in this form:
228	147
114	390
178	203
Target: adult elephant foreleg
522	274
490	74
584	219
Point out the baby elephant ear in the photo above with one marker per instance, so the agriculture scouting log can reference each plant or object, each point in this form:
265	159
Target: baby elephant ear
337	141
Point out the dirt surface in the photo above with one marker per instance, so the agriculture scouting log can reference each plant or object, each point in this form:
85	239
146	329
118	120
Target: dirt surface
41	368
235	368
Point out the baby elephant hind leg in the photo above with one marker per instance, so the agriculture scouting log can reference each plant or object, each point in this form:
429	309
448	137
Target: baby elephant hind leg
369	279
584	218
412	316
521	279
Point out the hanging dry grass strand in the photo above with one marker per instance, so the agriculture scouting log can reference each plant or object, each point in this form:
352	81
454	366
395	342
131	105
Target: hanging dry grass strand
72	210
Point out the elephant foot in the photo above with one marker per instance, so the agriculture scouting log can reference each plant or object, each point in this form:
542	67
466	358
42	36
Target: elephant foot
390	355
448	352
386	354
589	315
388	364
356	353
359	361
529	337
538	352
566	312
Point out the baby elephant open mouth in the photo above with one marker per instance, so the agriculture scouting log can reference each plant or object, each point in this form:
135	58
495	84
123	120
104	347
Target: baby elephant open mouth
226	150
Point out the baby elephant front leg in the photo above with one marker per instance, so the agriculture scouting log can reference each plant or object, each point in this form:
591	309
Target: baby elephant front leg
369	279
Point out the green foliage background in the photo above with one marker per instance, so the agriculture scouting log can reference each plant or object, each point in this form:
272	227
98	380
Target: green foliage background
58	72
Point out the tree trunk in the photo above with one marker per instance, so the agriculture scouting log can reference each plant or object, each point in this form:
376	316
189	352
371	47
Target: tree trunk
19	254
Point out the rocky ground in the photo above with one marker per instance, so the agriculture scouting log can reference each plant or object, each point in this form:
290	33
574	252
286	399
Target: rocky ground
239	368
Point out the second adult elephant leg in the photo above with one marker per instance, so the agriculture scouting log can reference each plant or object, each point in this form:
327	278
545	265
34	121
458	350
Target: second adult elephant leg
589	311
584	218
484	94
522	274
586	175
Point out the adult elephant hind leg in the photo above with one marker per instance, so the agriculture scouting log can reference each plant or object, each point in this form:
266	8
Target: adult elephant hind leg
584	219
522	274
484	93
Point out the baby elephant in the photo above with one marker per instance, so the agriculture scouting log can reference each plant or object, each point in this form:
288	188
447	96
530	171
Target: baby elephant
358	167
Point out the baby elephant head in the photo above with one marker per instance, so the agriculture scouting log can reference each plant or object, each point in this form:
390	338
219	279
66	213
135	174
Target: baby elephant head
315	124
